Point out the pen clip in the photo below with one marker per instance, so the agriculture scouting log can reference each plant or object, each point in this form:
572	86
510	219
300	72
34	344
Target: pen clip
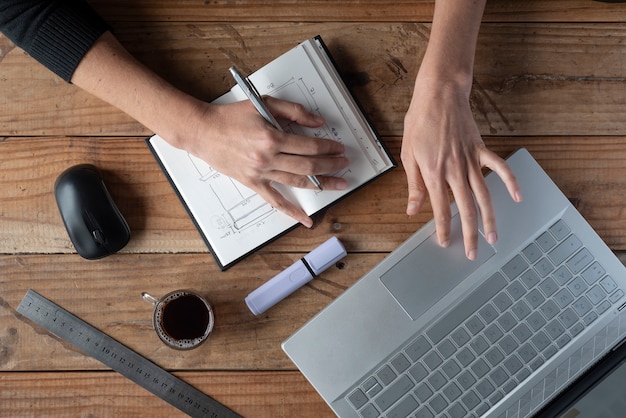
253	89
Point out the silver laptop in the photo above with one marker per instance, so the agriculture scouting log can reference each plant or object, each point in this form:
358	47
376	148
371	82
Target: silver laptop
428	333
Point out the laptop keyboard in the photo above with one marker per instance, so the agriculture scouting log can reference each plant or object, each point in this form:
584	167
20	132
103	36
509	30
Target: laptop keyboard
493	340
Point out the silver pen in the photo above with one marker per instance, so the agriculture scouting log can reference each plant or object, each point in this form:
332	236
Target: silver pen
253	95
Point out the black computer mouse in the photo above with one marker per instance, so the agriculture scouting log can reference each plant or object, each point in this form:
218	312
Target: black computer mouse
93	221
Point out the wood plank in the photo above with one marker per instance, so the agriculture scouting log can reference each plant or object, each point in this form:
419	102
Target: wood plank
251	394
351	10
588	169
530	79
106	294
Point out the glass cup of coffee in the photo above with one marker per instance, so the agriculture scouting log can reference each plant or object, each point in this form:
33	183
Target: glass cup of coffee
182	319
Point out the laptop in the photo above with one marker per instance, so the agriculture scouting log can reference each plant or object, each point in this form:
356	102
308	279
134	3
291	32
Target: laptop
429	333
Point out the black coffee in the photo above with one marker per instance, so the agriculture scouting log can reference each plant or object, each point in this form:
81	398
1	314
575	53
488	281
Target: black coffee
185	318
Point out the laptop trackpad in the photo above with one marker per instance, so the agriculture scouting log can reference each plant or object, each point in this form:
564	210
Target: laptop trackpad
429	272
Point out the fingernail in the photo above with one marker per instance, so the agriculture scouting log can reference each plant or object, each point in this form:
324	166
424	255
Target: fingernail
308	222
471	254
445	244
411	208
341	184
518	196
492	237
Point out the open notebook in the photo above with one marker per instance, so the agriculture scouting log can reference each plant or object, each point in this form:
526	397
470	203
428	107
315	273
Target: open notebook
233	220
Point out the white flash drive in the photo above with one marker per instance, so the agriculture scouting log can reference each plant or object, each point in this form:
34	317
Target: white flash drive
295	276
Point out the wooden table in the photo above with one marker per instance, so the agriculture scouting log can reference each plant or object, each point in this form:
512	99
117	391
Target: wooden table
550	76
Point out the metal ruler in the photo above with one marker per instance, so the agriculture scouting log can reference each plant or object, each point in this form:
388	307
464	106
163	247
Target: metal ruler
120	358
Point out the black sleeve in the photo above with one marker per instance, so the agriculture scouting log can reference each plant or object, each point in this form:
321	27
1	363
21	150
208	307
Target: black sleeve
57	33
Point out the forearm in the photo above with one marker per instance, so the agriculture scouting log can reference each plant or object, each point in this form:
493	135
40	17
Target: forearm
453	37
109	72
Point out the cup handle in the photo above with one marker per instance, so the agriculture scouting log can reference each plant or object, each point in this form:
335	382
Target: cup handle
149	298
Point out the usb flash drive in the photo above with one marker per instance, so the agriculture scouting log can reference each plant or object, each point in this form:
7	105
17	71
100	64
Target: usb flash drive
295	276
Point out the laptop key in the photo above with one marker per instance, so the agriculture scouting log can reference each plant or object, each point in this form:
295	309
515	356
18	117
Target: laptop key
582	306
532	253
516	290
515	267
596	295
493	333
438	404
560	229
494	356
562	275
563	298
465	357
446	348
499	376
437	380
423	392
369	412
358	399
479	345
474	325
403	408
549	309
581	260
502	301
477	299
466	380
546	241
457	411
400	363
386	375
568	317
432	360
512	365
418	372
451	369
480	368
608	284
594	273
507	321
394	392
577	286
418	348
565	250
424	412
452	392
460	337
485	388
548	287
615	296
522	333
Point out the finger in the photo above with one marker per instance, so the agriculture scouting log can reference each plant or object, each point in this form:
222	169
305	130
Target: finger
298	164
294	112
440	202
416	188
278	201
485	205
468	213
305	145
303	182
492	161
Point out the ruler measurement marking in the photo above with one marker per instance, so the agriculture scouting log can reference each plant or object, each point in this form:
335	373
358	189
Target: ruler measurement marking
120	358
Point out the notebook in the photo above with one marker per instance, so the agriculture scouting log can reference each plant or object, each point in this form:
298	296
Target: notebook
233	220
429	333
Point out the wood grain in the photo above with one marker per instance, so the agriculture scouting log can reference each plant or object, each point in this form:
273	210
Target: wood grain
89	394
549	76
530	79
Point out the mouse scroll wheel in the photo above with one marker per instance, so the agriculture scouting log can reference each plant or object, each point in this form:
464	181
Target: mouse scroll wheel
98	236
